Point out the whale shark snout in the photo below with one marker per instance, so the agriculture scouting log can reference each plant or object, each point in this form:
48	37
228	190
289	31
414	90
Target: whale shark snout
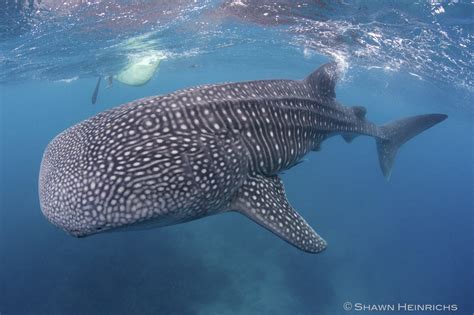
65	182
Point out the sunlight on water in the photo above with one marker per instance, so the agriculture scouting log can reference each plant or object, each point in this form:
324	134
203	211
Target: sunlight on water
431	40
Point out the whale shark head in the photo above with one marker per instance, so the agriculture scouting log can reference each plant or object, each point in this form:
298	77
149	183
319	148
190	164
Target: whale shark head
114	171
84	189
68	191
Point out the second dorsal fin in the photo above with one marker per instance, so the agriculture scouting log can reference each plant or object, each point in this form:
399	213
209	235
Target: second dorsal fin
359	111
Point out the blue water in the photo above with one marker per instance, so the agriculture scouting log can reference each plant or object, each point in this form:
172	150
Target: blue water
409	240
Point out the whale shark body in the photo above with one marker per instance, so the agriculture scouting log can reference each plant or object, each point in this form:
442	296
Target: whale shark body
169	159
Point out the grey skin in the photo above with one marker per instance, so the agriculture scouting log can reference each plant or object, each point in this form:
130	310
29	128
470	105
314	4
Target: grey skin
169	159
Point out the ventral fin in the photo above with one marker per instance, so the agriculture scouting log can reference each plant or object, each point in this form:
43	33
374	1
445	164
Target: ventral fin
324	80
263	199
348	137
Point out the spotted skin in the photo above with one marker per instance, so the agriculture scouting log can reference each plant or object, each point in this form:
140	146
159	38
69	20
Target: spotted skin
169	159
263	200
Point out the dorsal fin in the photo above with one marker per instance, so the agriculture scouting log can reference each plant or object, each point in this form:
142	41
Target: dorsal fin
324	79
359	111
262	199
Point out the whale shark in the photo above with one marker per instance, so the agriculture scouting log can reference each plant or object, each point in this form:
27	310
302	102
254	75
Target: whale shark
169	159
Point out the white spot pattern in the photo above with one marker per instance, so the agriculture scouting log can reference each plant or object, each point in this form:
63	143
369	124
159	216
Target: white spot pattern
177	157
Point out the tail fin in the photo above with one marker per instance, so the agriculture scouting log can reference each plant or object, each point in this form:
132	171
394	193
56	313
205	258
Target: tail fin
396	133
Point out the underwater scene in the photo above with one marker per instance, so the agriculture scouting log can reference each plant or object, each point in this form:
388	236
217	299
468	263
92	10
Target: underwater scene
236	157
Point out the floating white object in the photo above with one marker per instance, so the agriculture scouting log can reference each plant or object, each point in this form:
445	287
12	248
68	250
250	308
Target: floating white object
140	69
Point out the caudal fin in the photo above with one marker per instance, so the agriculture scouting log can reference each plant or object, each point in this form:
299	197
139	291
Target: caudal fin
396	133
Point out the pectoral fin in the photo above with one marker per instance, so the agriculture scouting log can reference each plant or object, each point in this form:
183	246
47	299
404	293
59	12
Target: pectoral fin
263	199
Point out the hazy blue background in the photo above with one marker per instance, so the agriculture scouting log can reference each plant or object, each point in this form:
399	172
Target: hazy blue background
409	240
